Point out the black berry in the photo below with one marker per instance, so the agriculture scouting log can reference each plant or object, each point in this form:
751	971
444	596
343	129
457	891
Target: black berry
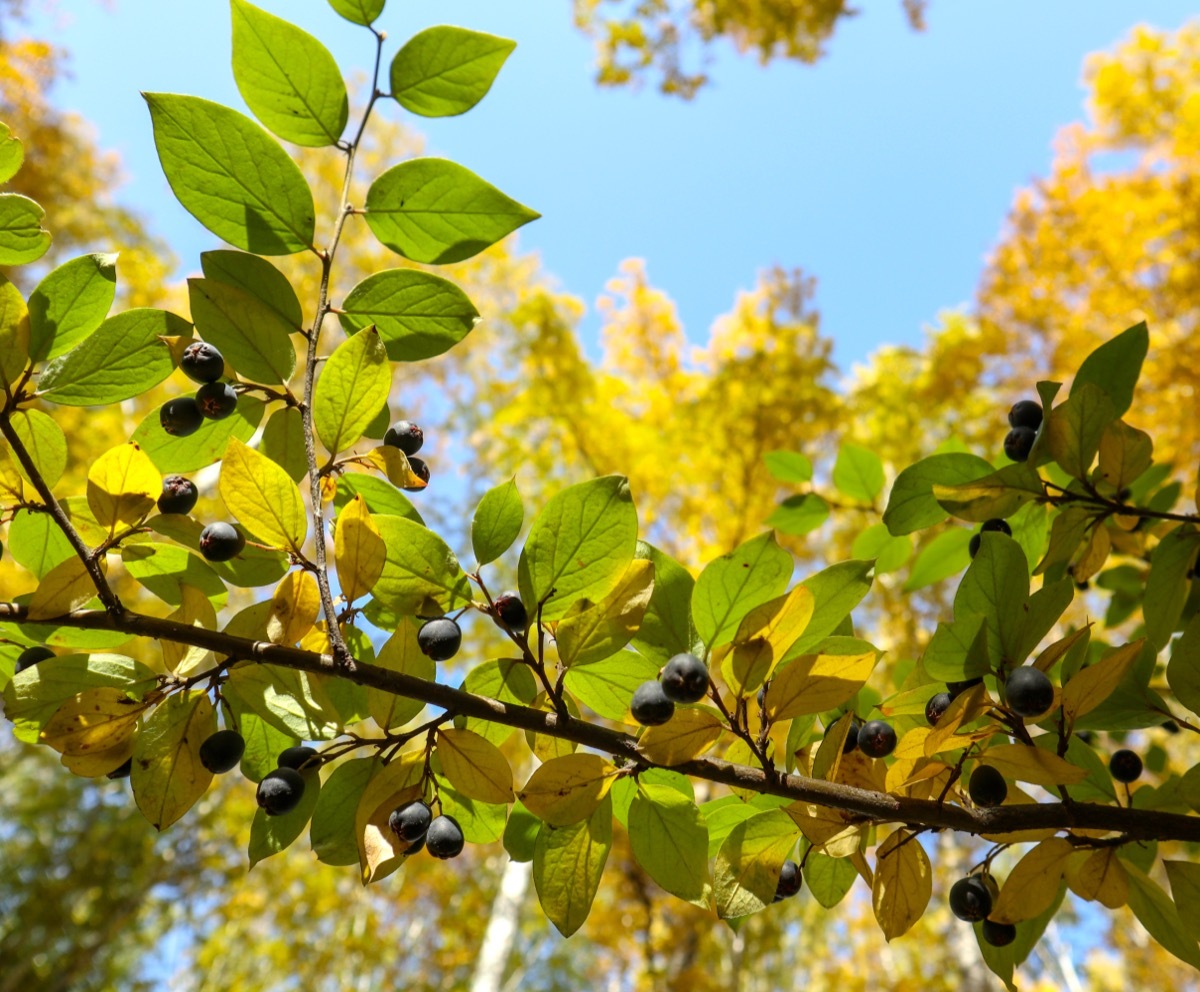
851	741
1125	765
439	639
296	757
1028	691
31	656
685	679
650	705
179	495
997	525
790	881
956	689
987	786
221	541
511	611
201	362
122	772
970	899
421	470
936	706
280	791
999	934
444	838
1019	442
973	545
180	417
222	750
406	436
1026	413
410	821
876	739
216	400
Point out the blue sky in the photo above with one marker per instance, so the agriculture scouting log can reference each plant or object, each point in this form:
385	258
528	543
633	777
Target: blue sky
885	171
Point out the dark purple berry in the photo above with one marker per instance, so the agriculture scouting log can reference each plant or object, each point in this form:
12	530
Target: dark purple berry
1125	765
1026	413
970	899
221	541
123	771
280	791
973	545
31	656
179	495
1028	691
685	679
987	786
201	362
410	821
790	881
444	838
956	689
650	705
936	706
296	757
997	525
1019	443
221	751
180	417
406	436
999	934
439	639
421	470
511	611
216	400
876	739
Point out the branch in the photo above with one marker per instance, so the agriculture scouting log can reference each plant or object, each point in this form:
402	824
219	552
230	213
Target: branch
1135	824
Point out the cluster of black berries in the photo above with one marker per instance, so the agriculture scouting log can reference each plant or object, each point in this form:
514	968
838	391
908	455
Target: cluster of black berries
684	679
214	400
415	824
281	790
1024	418
408	437
972	899
875	738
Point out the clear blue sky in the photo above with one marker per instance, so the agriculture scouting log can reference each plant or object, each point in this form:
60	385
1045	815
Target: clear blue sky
885	171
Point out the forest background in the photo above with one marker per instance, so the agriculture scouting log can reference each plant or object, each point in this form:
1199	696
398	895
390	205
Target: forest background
887	183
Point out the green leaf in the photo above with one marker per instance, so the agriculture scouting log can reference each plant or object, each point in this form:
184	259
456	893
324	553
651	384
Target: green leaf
249	333
358	11
380	495
400	653
836	591
1183	671
1074	429
949	657
270	835
594	631
666	628
1185	889
506	679
421	575
482	823
1046	607
946	555
1157	913
167	776
283	441
497	522
232	176
520	834
734	584
789	466
45	442
36	542
858	473
287	78
607	685
164	568
1115	366
888	552
290	701
578	546
259	278
1167	586
12	154
444	71
911	503
798	515
418	315
567	865
22	237
332	831
435	211
14	333
356	378
1002	960
828	879
748	864
264	744
70	303
1000	494
996	587
196	451
121	359
669	839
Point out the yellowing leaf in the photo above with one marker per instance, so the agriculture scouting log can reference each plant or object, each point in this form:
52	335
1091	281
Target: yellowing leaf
475	766
93	721
167	776
763	638
1033	883
814	683
567	865
826	829
1092	685
1100	877
600	630
902	884
263	497
1027	763
294	607
12	486
1047	659
380	851
393	463
749	861
568	789
67	586
689	733
93	764
400	654
358	550
196	610
122	486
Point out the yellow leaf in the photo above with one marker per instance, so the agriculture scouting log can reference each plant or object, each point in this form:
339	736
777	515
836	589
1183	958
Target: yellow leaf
832	748
1027	763
1092	685
122	486
689	733
380	851
902	885
763	638
1033	883
263	497
67	586
167	776
393	463
196	610
1046	660
12	486
1100	877
965	708
814	683
14	336
95	764
475	766
568	789
294	608
826	829
358	550
598	631
95	720
1094	555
